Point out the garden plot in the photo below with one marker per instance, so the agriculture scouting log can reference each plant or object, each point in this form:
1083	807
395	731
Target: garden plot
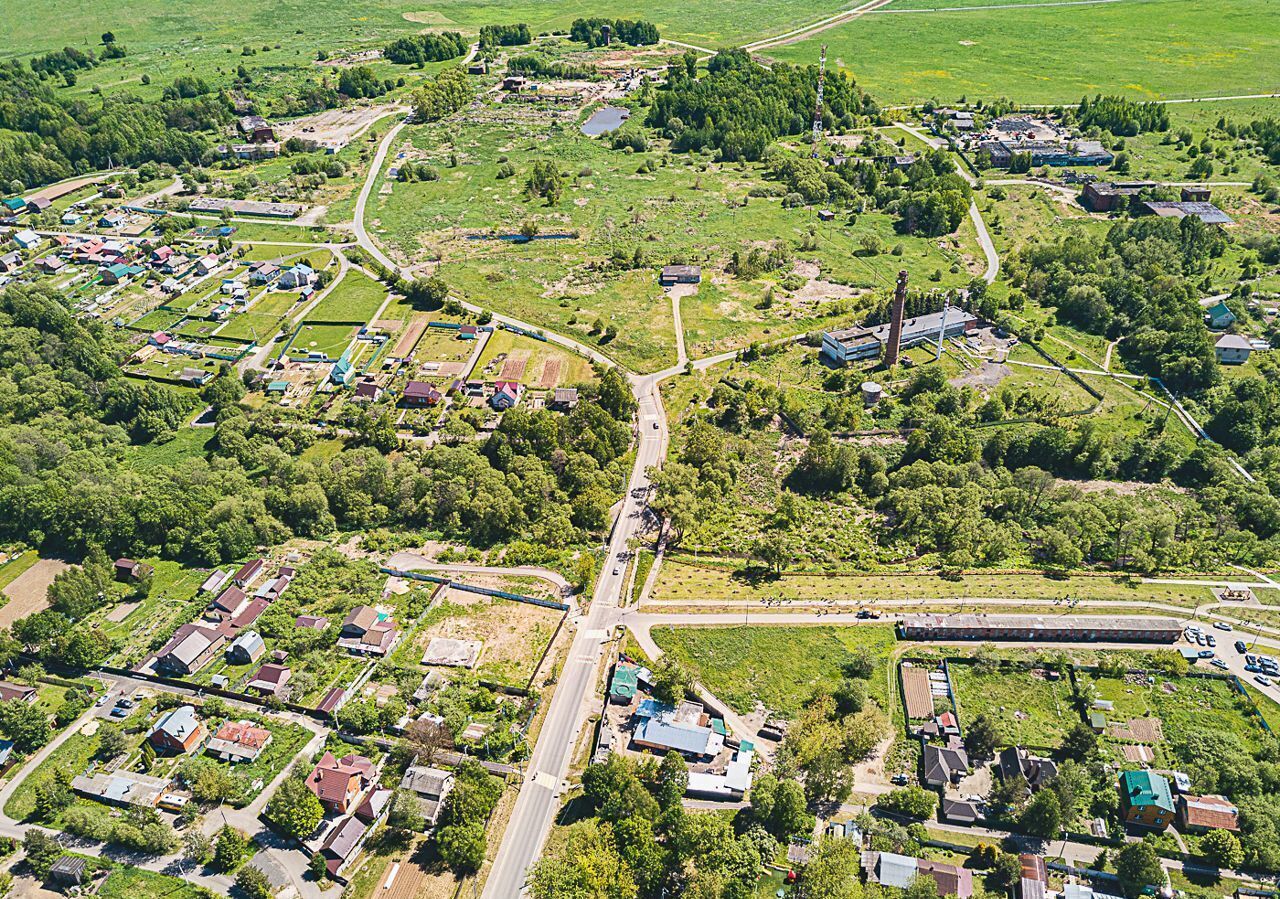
1155	710
1029	708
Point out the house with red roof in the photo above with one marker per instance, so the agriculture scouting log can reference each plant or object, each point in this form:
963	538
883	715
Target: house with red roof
339	783
505	395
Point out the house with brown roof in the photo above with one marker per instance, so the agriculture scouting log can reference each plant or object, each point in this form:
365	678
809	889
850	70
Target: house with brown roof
1198	814
367	632
248	572
342	845
10	692
131	570
331	701
339	783
311	622
238	741
229	602
420	393
269	679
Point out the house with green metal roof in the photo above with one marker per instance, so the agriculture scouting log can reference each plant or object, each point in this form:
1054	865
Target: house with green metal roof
1146	799
278	387
1218	316
14	204
622	689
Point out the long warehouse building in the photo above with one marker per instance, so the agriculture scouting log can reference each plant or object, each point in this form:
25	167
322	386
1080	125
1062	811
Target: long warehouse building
1049	628
844	345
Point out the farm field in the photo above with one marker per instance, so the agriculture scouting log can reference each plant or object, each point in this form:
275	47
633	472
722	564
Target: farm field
682	582
1027	708
780	667
1142	49
165	41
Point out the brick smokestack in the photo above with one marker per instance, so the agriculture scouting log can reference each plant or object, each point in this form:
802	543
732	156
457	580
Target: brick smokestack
896	313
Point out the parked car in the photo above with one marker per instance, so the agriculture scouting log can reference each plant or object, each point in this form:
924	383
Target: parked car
1222	626
1200	639
1264	681
119	712
1218	663
1240	647
899	780
1211	640
1206	653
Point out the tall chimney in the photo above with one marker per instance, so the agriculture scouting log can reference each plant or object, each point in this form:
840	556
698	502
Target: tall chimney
895	320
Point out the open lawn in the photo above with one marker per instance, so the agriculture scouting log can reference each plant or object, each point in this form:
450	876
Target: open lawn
355	299
330	339
1144	49
682	582
779	667
11	570
127	882
1028	709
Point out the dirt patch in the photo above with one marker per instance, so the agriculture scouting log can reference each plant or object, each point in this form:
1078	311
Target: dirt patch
122	611
409	339
1137	730
818	290
550	374
985	377
514	634
514	366
428	17
29	592
333	126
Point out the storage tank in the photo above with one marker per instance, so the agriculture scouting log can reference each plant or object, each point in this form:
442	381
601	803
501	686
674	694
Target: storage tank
871	393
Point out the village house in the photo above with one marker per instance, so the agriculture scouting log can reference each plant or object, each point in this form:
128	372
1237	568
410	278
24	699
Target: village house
10	262
10	692
263	272
1146	800
297	276
941	766
339	783
505	395
899	871
248	572
1200	814
189	649
680	274
131	570
365	631
420	393
1232	349
50	265
269	680
121	788
564	398
342	845
246	648
1014	762
28	239
1218	316
177	732
431	786
686	728
256	129
368	391
238	741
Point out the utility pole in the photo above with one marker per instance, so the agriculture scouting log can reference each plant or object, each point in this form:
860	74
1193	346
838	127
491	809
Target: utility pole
817	110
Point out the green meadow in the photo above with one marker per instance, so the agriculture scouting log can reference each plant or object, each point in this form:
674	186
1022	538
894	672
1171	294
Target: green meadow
1157	49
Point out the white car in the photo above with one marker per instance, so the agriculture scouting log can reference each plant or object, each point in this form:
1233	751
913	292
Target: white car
1222	626
1264	681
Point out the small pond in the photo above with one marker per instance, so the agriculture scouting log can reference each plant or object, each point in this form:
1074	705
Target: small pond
604	120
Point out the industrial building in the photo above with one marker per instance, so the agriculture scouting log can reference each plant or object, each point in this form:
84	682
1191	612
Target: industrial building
1047	152
845	345
1055	629
1099	196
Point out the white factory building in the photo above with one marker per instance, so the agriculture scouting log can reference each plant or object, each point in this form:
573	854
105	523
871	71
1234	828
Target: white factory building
846	345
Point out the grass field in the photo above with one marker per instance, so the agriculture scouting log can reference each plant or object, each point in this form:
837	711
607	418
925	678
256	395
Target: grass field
686	208
355	299
777	666
330	339
1028	709
1141	48
679	582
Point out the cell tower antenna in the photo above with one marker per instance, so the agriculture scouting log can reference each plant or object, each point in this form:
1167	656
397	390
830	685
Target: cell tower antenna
817	110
